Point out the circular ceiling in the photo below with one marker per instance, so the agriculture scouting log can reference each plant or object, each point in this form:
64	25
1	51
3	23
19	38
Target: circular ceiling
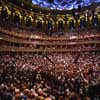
63	4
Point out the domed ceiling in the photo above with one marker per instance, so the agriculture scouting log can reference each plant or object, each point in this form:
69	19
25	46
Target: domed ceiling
63	4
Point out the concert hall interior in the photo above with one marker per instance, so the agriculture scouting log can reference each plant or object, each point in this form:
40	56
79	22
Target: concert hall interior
49	49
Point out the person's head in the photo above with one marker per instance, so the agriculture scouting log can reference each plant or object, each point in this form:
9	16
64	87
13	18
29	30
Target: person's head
39	98
87	98
48	98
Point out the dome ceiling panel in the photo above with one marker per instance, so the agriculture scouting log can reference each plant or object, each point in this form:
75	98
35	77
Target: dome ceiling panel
63	4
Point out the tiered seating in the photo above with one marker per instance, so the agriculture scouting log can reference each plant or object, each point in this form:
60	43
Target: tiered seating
18	41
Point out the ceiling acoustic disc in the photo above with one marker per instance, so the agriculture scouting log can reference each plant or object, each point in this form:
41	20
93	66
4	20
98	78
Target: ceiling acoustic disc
64	4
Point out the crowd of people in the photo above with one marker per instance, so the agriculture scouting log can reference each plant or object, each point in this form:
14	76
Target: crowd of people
14	19
31	76
49	76
28	32
63	76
